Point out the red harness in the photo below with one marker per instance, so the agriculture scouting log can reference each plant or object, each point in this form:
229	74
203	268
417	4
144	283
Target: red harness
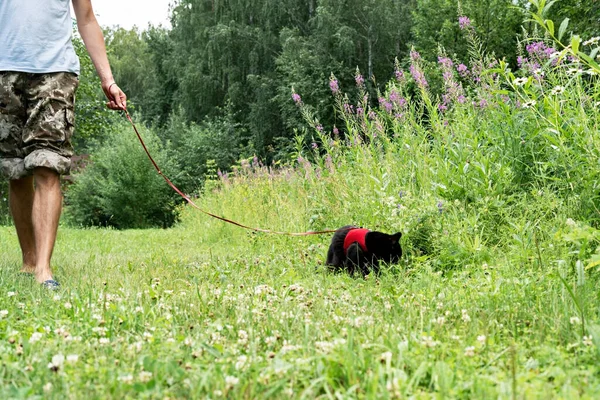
356	235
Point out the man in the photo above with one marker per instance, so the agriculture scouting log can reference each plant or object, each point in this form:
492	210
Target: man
38	80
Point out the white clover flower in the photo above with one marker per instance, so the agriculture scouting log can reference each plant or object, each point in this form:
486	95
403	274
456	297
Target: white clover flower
56	297
126	378
217	393
139	309
48	387
104	340
3	313
270	340
429	342
386	357
455	337
231	381
481	339
465	317
72	358
145	376
68	305
557	90
587	340
57	361
10	294
470	351
520	81
570	223
574	320
241	362
35	336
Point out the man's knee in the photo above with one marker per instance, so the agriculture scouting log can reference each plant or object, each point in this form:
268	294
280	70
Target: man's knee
45	176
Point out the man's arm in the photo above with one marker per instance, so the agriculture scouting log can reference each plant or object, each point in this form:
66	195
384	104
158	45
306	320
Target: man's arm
92	36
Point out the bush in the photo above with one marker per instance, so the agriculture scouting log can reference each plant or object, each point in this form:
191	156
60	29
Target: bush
120	188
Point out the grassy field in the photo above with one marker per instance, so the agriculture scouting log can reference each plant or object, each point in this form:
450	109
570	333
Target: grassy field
206	310
494	186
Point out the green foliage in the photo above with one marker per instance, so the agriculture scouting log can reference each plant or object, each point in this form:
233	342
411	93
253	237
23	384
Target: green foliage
93	117
120	188
497	23
193	146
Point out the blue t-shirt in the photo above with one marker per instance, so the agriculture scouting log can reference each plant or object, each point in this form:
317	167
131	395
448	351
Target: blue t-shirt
35	36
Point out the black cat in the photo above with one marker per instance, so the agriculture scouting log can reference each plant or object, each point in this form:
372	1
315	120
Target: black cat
355	249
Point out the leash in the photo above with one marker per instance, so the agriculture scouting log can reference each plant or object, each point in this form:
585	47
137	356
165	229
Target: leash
190	202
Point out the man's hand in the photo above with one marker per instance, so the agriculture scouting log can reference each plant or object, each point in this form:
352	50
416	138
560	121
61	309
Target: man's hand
117	100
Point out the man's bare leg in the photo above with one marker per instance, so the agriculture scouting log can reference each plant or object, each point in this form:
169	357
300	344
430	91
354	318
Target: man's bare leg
47	206
21	195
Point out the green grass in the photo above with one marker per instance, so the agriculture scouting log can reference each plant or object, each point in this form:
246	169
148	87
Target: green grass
209	310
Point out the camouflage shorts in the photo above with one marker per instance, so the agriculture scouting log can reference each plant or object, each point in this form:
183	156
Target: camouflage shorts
36	122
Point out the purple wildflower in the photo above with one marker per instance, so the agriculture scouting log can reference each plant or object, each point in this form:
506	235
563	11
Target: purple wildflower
320	127
314	146
440	206
360	111
372	115
445	61
399	75
329	162
360	81
336	131
388	107
464	22
334	86
414	55
297	99
418	76
463	70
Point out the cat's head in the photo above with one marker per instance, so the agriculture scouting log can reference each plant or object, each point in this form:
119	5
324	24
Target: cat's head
385	246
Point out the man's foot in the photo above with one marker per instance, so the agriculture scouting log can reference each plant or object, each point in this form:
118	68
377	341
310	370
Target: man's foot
51	284
27	269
